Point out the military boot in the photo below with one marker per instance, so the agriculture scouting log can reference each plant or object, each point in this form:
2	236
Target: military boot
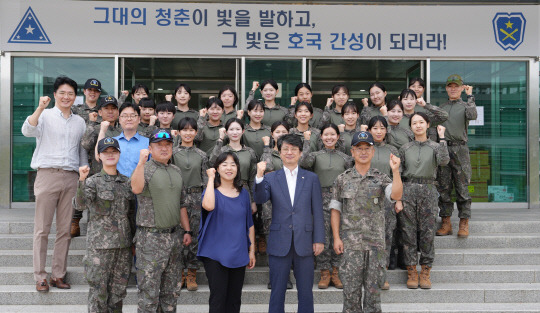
335	278
463	228
412	277
191	280
325	279
425	282
446	227
75	228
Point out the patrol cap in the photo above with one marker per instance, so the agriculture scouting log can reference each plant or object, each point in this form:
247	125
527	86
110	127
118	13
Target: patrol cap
161	134
359	137
105	101
454	79
93	83
106	143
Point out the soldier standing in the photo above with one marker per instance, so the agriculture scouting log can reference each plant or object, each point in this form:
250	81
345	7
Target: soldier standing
193	163
458	171
88	110
358	206
107	263
420	159
160	192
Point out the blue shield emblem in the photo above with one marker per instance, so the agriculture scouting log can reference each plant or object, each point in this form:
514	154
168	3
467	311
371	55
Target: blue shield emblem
509	29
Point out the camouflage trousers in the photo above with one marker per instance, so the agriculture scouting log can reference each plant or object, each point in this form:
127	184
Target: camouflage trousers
457	174
266	216
328	258
390	220
159	267
107	272
418	219
362	269
189	253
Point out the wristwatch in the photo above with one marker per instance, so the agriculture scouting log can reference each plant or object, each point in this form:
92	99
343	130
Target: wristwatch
189	232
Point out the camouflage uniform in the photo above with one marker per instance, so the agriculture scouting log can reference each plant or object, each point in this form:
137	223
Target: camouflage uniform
159	238
181	114
107	262
458	172
420	161
346	137
207	135
381	161
253	138
331	115
436	116
398	135
273	163
369	112
360	199
313	139
193	163
146	129
84	110
327	164
315	121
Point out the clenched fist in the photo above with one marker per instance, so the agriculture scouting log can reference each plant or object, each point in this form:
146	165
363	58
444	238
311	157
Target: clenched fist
329	102
266	140
211	172
92	116
365	102
104	126
394	162
144	156
261	167
168	98
307	135
440	131
153	120
83	172
421	102
222	133
44	102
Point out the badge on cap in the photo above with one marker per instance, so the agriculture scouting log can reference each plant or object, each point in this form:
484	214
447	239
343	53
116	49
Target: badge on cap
376	200
94	82
108	141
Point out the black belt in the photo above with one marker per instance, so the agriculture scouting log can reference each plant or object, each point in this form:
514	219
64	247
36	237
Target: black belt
169	230
425	181
194	190
456	143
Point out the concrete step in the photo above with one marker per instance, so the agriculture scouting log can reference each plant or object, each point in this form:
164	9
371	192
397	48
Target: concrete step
506	256
259	275
257	294
319	308
475	226
474	241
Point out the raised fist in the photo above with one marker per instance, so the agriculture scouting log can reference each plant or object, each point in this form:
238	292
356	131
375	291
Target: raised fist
255	85
104	126
421	102
468	89
144	156
341	127
222	133
307	134
365	102
261	167
363	128
266	140
153	120
293	100
240	114
92	116
202	112
168	98
83	172
394	162
329	102
384	110
440	130
211	172
44	102
125	92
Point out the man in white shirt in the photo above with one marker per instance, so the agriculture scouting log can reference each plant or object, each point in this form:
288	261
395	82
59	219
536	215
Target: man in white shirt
57	159
297	229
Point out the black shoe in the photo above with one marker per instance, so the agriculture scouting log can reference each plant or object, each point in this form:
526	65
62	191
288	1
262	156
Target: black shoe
289	284
269	286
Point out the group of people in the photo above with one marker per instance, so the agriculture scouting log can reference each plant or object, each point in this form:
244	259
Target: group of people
168	188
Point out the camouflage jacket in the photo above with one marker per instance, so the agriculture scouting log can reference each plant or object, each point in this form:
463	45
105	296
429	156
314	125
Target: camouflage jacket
89	141
421	159
360	199
84	110
112	208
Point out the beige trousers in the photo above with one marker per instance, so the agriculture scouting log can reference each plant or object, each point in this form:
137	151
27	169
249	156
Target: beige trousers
54	190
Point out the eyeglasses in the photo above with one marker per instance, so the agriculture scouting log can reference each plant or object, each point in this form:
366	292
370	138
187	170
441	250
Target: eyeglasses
163	135
129	117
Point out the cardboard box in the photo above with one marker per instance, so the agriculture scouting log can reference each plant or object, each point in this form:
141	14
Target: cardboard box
479	158
494	189
480	199
478	189
481	173
502	197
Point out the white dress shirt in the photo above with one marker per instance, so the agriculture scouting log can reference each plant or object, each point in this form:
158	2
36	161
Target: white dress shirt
291	177
58	140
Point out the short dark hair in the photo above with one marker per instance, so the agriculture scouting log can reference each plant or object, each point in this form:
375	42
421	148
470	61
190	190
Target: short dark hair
301	104
185	86
139	86
237	182
126	105
292	139
390	106
300	86
329	125
349	106
64	80
187	121
405	93
214	100
419	80
231	89
166	106
253	104
338	87
375	119
234	120
422	114
276	124
269	81
378	85
147	103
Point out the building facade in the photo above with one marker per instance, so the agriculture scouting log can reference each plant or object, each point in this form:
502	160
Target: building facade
494	47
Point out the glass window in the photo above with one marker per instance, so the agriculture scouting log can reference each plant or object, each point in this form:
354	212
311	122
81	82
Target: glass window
162	75
33	78
498	145
287	73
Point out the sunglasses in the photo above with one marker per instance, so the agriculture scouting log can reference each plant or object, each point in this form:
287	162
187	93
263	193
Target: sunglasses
162	135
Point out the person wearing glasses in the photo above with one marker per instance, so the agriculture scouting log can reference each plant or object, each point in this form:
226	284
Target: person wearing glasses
57	158
162	225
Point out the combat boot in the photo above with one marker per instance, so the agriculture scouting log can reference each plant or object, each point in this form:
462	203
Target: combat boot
183	279
412	277
325	279
386	286
335	278
425	282
463	228
191	280
75	228
446	227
